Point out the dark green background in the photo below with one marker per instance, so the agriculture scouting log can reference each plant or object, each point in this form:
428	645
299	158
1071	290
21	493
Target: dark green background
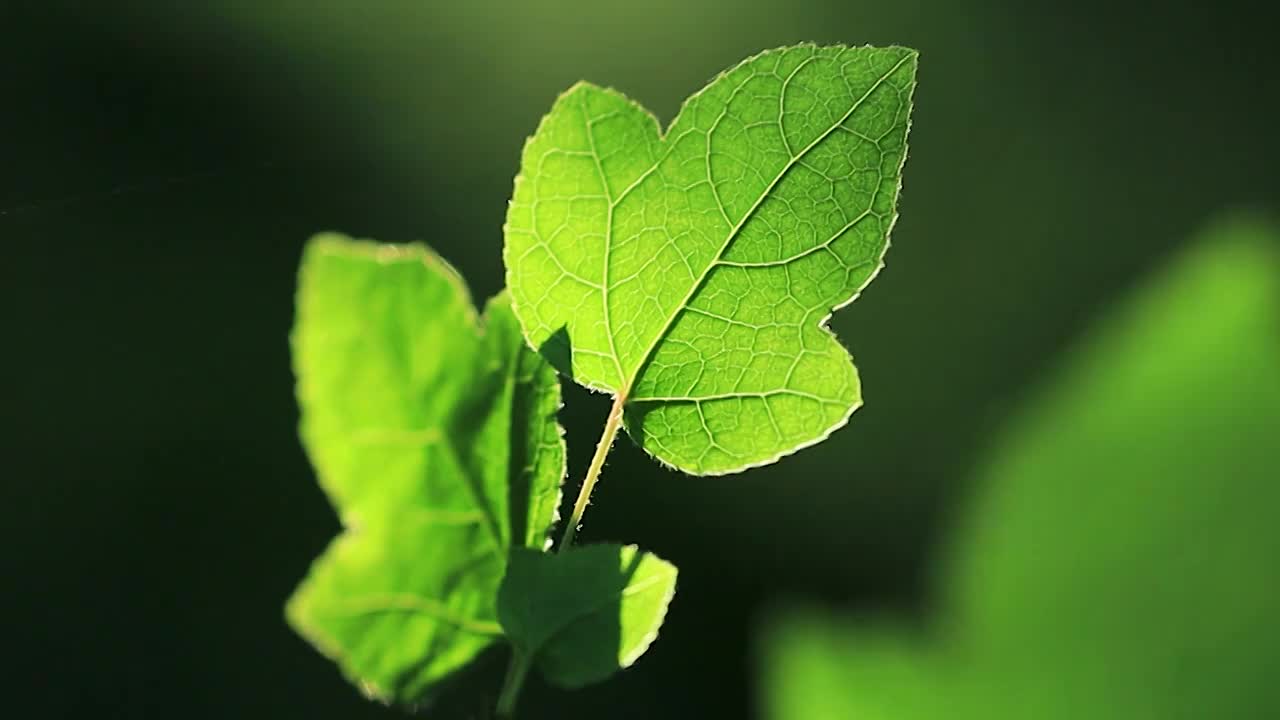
164	162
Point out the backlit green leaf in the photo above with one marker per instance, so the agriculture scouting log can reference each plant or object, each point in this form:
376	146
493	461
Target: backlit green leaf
586	612
692	272
433	432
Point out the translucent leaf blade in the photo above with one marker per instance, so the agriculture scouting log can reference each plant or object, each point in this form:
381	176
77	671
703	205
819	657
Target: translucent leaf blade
397	624
693	272
584	613
433	432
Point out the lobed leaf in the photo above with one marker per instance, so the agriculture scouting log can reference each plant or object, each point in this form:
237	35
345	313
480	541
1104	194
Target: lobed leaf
433	432
691	273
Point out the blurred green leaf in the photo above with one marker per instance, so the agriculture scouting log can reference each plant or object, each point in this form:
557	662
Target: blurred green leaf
822	668
586	612
691	273
1120	558
433	432
1127	523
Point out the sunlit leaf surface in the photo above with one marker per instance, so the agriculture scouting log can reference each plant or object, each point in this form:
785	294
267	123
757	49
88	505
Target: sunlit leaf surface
433	432
691	272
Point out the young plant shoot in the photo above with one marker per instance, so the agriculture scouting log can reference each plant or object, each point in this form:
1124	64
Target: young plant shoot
689	273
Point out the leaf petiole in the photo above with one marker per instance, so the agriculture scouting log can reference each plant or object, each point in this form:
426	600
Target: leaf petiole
516	673
611	426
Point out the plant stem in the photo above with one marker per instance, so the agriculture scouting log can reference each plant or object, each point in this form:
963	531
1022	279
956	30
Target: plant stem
516	672
593	473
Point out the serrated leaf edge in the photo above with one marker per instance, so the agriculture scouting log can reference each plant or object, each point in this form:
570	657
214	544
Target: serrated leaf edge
823	323
341	245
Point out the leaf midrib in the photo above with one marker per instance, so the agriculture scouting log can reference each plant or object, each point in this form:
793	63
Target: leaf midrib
627	382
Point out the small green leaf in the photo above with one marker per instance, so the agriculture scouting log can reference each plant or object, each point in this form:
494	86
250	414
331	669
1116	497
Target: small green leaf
433	432
586	612
691	273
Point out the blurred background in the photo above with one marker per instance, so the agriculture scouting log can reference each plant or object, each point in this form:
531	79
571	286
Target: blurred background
164	163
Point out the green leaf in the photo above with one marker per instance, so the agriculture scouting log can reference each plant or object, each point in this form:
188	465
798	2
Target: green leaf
586	612
822	668
691	273
1119	560
1129	513
433	432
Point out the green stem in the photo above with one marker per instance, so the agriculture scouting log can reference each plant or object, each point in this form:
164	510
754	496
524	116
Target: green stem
593	473
516	672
